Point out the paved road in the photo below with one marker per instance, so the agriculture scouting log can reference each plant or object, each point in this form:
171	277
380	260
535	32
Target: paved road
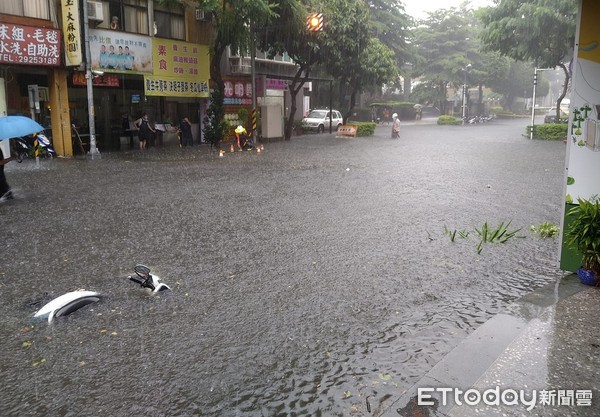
312	278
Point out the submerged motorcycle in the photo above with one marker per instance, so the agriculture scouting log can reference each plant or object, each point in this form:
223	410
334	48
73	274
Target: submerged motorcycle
74	300
147	280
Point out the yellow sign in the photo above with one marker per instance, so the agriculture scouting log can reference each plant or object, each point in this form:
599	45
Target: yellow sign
72	30
180	59
175	86
589	35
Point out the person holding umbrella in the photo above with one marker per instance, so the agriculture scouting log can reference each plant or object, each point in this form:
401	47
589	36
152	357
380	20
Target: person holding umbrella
5	191
13	127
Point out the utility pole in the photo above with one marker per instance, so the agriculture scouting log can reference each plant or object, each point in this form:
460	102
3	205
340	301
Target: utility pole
89	77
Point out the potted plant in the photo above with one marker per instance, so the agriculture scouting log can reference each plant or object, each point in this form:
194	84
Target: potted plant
584	236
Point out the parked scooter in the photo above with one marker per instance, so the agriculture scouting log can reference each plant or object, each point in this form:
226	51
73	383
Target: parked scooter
147	280
25	147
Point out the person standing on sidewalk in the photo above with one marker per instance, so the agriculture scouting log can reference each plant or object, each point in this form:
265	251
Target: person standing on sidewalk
5	191
145	129
395	126
185	130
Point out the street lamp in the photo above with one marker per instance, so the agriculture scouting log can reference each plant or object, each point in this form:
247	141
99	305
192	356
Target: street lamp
466	70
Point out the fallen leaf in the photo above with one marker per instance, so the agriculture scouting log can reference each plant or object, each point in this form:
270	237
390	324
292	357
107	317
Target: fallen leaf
384	376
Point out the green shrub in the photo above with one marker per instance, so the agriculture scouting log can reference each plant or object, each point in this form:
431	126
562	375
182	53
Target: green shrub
365	128
448	120
548	131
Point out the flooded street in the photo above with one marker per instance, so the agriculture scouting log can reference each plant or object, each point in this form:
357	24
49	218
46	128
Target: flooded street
314	278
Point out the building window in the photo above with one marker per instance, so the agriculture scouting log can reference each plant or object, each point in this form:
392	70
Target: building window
131	16
39	9
169	21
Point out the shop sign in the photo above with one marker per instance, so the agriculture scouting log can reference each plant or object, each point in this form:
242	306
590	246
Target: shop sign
276	84
180	59
120	52
105	80
175	86
237	92
72	29
28	45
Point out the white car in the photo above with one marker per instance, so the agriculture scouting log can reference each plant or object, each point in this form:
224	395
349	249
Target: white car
319	120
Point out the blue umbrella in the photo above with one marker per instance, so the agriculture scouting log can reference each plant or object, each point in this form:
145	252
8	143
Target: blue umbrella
17	126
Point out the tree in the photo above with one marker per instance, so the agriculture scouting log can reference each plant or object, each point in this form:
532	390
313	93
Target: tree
540	31
517	82
289	34
389	24
352	56
445	41
232	21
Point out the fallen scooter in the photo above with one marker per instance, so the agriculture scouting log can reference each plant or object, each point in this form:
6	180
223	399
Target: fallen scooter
146	280
74	300
66	304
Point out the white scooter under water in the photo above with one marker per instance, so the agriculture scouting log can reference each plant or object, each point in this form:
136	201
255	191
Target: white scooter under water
66	304
74	300
146	280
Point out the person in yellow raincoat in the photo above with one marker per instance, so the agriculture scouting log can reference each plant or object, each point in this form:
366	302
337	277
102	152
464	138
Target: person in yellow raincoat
239	131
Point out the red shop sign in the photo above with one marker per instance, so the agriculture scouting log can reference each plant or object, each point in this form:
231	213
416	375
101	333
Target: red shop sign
237	89
105	80
28	45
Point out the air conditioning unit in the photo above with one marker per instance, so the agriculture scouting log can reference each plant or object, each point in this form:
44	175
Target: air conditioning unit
200	15
95	11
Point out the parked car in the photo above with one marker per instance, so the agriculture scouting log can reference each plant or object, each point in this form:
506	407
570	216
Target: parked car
551	116
319	120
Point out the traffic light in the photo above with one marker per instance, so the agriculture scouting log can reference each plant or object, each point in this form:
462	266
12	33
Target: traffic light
314	23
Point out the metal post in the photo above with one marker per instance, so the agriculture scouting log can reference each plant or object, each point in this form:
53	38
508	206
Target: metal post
330	105
89	81
533	104
533	98
464	99
464	104
253	75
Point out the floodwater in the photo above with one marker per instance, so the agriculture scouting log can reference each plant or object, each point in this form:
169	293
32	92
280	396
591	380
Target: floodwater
314	278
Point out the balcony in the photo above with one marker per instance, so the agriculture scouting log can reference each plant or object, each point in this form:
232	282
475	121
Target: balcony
239	66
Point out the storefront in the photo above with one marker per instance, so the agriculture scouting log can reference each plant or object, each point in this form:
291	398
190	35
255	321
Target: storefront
33	82
136	74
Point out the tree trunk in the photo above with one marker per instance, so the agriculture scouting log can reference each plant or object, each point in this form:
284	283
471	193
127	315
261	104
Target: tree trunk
564	92
294	87
480	103
355	88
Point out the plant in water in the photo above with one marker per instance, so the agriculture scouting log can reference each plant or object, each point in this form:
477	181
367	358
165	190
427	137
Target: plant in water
545	229
452	233
501	234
